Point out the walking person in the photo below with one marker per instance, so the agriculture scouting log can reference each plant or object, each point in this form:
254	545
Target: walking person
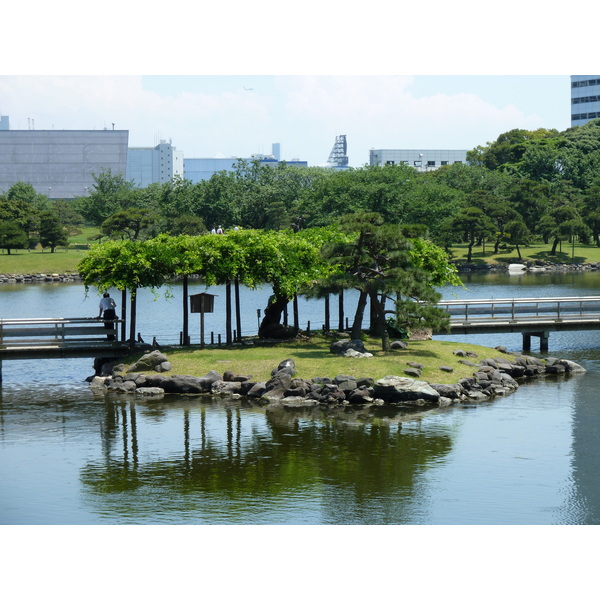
108	312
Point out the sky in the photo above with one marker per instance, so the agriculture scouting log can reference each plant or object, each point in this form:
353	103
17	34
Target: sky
226	115
228	79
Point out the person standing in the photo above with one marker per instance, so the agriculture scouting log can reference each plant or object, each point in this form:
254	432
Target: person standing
108	312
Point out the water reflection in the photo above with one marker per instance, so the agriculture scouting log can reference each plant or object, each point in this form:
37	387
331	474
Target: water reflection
248	464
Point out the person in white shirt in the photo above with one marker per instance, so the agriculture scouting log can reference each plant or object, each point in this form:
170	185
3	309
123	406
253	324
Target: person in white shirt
108	311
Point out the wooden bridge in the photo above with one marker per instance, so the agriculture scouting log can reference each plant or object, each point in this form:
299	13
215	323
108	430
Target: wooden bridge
22	339
529	316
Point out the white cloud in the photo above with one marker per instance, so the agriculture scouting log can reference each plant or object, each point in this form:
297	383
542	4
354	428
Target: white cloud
303	113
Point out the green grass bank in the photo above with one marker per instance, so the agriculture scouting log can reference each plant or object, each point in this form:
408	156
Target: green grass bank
314	359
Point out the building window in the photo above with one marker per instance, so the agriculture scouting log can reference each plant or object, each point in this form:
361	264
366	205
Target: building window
444	162
390	162
458	162
418	163
431	163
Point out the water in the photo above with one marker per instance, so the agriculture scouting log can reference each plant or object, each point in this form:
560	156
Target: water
67	457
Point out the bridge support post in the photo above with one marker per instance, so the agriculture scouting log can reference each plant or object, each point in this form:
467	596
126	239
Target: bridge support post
544	337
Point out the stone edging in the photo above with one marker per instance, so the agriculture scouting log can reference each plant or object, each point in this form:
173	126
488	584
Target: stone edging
40	278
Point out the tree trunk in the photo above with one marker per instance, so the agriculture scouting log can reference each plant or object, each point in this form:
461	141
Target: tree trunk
554	246
272	316
470	251
358	316
327	312
518	251
379	308
341	311
123	315
132	317
228	335
296	314
185	334
238	310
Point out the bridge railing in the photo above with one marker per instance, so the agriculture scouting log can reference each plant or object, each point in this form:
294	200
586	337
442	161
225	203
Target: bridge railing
514	308
56	331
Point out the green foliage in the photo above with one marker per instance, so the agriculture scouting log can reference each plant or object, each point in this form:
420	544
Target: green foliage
52	232
12	236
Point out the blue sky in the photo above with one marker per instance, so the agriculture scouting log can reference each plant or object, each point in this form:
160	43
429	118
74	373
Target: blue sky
225	115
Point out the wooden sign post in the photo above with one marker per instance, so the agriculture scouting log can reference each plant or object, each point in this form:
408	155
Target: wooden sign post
202	303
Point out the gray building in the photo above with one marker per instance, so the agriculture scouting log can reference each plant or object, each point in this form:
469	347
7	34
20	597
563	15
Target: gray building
154	165
585	98
60	163
200	169
421	160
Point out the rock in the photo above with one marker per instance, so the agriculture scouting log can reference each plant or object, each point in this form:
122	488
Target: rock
502	349
226	387
351	353
163	367
555	369
403	389
449	390
398	345
342	346
257	390
98	383
446	369
468	363
359	397
415	365
150	391
412	372
148	362
570	366
285	366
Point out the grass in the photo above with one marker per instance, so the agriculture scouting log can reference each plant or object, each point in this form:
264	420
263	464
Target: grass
62	260
565	253
313	359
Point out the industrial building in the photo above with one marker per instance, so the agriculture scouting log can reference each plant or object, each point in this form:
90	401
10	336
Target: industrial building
200	169
421	160
585	98
59	163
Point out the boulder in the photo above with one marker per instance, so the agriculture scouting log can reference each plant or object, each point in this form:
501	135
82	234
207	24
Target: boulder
570	366
398	345
342	346
148	362
394	388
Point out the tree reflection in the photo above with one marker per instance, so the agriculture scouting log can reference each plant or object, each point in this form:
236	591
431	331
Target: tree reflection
357	464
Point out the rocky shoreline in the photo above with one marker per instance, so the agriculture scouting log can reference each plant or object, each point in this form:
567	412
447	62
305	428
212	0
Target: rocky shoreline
462	267
491	378
40	278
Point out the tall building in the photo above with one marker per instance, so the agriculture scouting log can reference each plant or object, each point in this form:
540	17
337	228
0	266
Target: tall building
4	123
154	165
60	163
585	98
421	160
338	157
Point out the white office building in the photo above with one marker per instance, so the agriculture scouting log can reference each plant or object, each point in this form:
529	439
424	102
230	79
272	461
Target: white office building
585	98
422	160
154	165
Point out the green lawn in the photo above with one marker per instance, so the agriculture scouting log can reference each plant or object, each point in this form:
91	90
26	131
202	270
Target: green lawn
565	253
313	359
62	260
